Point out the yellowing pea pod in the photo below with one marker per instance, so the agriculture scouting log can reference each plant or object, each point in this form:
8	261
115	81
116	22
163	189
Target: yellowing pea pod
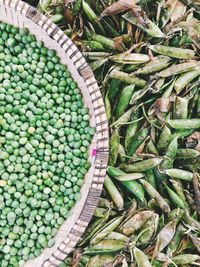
180	174
184	259
150	28
153	193
141	259
124	100
127	78
157	64
114	147
105	246
177	69
185	79
181	108
134	223
184	124
100	260
165	236
174	52
105	230
133	58
142	165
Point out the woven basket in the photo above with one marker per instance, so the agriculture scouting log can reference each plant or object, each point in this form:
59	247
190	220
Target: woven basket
22	15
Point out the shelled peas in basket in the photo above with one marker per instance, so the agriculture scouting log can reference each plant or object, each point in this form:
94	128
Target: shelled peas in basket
45	133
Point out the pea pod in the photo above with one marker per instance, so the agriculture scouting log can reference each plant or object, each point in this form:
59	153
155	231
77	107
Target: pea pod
114	193
176	199
184	124
132	58
137	140
141	166
164	139
176	240
180	191
170	154
185	79
43	5
105	246
151	178
141	259
177	69
127	78
151	148
153	193
124	100
124	119
131	185
114	147
184	259
108	108
157	64
100	260
180	174
181	108
173	51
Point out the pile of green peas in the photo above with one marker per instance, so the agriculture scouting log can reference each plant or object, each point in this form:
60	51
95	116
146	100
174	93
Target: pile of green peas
45	133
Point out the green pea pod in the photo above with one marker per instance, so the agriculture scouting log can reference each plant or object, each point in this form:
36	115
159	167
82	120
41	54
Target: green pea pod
93	45
180	191
184	259
98	63
92	17
100	212
176	199
150	176
150	28
138	139
170	154
182	133
191	222
106	42
180	174
57	18
100	260
77	7
185	79
181	108
114	147
122	154
141	259
131	129
141	166
157	64
104	247
124	119
124	100
176	240
127	78
113	89
131	185
43	5
108	108
173	51
114	193
151	148
177	69
108	228
153	193
184	124
164	139
186	153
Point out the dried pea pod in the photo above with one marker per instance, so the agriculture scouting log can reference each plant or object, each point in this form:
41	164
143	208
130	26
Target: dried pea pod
114	147
100	260
184	259
164	139
184	124
157	64
114	193
141	259
185	79
180	174
124	100
177	69
137	140
153	193
141	166
181	108
173	51
105	246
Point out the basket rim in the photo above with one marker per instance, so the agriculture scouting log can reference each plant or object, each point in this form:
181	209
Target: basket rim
102	150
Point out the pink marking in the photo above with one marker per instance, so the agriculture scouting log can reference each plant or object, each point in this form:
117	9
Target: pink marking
94	152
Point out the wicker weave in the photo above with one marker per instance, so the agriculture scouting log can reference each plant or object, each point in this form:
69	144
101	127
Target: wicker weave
21	14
